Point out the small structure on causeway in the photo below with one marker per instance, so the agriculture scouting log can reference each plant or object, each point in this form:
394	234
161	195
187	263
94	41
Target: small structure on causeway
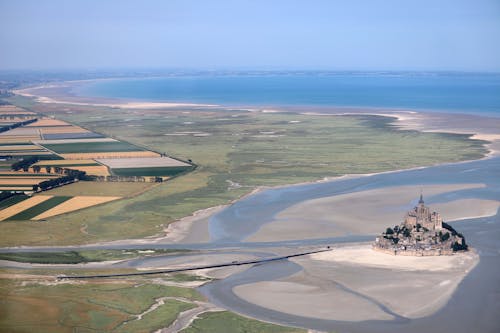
423	233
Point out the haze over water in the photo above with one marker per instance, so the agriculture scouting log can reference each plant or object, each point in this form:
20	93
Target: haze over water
452	92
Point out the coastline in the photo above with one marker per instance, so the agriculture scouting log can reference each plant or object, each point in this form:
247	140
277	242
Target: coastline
194	228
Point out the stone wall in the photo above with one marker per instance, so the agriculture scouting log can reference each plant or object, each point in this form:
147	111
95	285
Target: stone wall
415	253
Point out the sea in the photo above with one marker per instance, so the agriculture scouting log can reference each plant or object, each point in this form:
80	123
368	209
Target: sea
472	93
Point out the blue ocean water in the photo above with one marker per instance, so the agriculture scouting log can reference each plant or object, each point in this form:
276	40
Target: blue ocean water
452	92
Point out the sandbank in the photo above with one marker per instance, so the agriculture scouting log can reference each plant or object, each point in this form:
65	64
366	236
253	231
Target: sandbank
376	286
367	212
62	93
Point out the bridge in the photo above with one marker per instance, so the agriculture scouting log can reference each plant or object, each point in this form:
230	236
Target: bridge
193	268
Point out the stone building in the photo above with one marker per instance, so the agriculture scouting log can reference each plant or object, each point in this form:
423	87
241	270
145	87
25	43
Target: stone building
422	215
422	233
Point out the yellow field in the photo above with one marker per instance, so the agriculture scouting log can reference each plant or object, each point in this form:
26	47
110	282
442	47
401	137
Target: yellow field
15	111
63	162
93	170
48	122
22	181
20	173
19	147
11	119
7	188
18	138
84	156
22	206
27	152
75	203
62	129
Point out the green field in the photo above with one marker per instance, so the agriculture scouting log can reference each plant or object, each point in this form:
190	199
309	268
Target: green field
151	171
227	322
12	200
90	307
92	147
76	164
39	209
77	257
100	188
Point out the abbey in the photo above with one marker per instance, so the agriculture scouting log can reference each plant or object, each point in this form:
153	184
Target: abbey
422	215
422	233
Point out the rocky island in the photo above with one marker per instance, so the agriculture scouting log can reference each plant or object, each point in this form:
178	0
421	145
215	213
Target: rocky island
423	233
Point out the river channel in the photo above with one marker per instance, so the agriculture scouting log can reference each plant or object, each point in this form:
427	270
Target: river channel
475	305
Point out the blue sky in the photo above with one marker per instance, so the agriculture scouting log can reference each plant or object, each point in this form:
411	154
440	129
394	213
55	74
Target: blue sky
253	34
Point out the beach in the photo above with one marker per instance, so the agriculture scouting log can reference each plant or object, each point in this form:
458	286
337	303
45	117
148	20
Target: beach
330	280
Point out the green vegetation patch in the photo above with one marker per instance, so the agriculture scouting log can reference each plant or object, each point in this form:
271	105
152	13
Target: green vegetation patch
76	164
12	200
77	257
92	147
151	171
101	188
163	316
90	307
227	322
39	209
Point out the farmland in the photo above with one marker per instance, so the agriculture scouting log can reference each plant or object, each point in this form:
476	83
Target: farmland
46	150
48	203
151	171
72	204
91	147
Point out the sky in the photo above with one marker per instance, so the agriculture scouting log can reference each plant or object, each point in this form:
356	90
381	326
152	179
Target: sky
462	35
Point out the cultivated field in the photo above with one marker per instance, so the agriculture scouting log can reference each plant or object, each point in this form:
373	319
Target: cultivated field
115	154
18	147
101	189
141	162
47	122
62	130
75	203
79	140
65	163
91	147
23	205
74	148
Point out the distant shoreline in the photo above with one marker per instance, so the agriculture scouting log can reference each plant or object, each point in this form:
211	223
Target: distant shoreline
479	126
67	92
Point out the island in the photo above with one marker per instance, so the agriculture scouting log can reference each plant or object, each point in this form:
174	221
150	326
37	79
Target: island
423	233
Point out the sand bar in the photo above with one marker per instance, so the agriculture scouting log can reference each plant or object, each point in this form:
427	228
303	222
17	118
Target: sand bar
367	212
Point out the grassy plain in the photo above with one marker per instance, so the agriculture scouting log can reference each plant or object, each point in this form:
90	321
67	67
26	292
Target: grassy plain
82	256
37	306
227	322
239	151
